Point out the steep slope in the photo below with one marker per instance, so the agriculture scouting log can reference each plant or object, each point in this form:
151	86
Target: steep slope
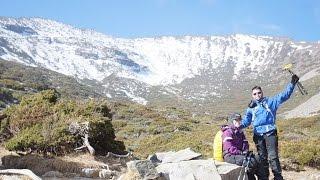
208	74
17	80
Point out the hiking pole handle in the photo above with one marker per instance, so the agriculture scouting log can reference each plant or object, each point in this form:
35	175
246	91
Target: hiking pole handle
291	72
300	87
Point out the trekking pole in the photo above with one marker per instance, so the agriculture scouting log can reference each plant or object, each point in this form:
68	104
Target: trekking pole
244	168
247	167
302	90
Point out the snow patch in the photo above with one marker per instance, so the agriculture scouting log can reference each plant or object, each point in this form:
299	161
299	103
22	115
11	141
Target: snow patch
134	98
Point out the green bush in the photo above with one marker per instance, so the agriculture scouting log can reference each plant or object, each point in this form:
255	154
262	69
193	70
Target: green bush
5	97
12	84
40	124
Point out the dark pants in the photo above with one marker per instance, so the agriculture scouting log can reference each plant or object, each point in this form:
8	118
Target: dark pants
240	160
267	147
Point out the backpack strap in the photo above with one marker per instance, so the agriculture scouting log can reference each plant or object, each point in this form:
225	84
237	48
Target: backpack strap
265	105
253	111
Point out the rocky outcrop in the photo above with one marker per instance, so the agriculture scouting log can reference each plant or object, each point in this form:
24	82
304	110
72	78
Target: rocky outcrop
181	165
141	169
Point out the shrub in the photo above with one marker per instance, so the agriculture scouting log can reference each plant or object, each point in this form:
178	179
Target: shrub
12	84
40	123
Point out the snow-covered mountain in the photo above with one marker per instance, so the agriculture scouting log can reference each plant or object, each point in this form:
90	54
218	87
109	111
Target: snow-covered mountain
189	68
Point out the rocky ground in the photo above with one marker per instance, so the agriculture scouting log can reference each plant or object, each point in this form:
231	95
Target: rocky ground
307	174
117	166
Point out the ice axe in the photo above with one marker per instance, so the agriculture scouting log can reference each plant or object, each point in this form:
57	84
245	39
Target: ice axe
288	68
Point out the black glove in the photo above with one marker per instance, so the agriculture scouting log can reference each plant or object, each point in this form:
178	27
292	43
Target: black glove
252	104
250	154
294	79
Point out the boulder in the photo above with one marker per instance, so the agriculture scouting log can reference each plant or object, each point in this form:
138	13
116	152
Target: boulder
181	165
171	156
227	171
189	170
141	169
199	169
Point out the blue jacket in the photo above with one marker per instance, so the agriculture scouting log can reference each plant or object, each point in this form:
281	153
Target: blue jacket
263	116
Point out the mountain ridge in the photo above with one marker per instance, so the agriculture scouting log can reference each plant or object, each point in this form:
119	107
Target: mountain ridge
192	71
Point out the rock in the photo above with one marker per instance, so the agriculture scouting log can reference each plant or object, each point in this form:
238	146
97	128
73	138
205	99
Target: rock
90	172
24	172
56	174
289	165
228	171
181	165
141	169
171	156
96	173
315	176
199	169
191	170
13	177
154	159
105	173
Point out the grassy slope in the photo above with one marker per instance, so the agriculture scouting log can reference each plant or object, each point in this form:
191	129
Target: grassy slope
21	79
147	131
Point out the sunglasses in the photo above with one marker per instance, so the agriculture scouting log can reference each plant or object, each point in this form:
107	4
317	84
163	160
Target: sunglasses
257	93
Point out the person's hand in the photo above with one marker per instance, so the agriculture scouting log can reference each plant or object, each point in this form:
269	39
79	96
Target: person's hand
244	153
252	104
294	79
247	153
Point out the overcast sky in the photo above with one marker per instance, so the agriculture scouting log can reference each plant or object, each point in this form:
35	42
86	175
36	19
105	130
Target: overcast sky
296	19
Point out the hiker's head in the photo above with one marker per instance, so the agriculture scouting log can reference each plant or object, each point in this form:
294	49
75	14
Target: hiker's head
235	119
257	93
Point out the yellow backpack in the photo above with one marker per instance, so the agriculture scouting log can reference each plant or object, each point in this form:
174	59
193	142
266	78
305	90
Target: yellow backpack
217	147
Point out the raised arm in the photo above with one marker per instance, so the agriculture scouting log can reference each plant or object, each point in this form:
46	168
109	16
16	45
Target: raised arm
284	95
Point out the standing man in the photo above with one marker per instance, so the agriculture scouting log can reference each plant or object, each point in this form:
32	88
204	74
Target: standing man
262	114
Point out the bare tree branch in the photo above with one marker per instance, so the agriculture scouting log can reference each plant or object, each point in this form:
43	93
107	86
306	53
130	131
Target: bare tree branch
83	131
